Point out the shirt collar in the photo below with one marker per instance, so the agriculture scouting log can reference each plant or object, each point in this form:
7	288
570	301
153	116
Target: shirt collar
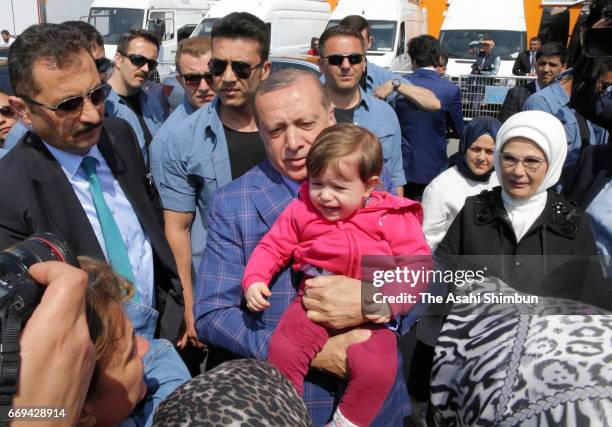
187	106
292	185
365	100
556	88
71	162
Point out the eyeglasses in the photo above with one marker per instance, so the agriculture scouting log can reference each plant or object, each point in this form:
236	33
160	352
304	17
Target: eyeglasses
103	65
241	69
195	79
6	111
353	58
530	163
140	60
72	105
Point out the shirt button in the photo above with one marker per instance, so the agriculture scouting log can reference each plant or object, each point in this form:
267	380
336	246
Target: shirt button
518	262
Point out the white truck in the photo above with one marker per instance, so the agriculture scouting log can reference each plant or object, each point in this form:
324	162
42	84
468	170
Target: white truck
292	23
172	20
392	24
468	21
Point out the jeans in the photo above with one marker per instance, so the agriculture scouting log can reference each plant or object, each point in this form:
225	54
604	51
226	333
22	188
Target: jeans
164	371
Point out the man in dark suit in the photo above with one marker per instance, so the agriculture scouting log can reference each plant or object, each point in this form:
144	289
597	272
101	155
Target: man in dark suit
82	177
61	98
424	133
551	60
525	63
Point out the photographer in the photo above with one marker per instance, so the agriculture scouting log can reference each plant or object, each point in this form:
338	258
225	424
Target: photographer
48	354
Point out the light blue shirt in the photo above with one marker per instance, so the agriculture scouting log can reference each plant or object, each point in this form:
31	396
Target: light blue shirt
153	112
380	119
553	99
600	213
158	145
194	164
136	241
376	76
14	136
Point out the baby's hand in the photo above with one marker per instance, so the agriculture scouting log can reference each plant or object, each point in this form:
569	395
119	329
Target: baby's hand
256	295
378	318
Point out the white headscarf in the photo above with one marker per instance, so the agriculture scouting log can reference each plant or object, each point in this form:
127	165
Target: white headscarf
547	132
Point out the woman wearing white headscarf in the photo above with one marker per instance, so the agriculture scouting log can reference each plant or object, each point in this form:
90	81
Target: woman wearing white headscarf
523	232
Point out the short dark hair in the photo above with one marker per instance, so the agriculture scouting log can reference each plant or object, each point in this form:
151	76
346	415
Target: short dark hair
55	42
88	31
424	50
285	78
553	49
536	38
126	38
5	32
605	65
243	25
356	22
337	31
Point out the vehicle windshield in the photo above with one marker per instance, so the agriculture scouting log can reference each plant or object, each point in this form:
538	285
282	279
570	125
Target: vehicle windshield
457	43
112	23
205	27
382	32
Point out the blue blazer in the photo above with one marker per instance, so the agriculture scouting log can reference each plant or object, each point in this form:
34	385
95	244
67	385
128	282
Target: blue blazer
424	133
240	214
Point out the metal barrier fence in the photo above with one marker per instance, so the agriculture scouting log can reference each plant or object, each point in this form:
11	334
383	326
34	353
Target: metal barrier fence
484	95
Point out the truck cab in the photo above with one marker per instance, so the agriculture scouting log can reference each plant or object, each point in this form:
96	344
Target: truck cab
392	24
292	23
171	20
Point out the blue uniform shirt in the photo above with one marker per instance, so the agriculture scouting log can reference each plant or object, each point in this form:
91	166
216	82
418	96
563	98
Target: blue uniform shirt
194	163
158	155
154	111
15	134
554	100
379	118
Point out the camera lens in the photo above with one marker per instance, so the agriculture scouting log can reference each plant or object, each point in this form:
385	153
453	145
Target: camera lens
17	259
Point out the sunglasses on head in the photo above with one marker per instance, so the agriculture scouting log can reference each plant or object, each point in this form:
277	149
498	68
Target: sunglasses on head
140	60
195	79
6	111
241	69
353	58
103	65
74	104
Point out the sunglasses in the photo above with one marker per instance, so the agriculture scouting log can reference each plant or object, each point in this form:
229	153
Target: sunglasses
530	163
97	96
195	79
241	69
337	60
103	65
6	111
140	61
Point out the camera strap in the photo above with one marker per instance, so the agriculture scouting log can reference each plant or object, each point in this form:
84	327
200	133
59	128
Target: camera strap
9	355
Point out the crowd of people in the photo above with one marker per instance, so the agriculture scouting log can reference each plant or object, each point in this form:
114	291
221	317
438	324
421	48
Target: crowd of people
236	226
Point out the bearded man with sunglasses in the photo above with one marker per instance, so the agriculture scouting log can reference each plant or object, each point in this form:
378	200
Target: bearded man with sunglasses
185	230
134	98
81	176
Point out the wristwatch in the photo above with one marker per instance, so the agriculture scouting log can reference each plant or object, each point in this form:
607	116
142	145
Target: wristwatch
396	83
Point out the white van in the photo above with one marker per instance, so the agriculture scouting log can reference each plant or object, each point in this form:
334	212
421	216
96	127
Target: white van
468	21
292	23
172	20
392	24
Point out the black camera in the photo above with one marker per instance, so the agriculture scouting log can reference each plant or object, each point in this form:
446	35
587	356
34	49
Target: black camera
17	289
19	296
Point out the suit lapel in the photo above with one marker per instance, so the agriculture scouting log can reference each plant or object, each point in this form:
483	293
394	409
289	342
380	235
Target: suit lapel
271	195
59	202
